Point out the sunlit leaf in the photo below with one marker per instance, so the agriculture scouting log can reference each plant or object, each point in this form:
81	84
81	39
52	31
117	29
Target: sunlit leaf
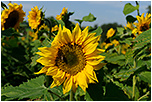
89	18
98	31
33	89
128	8
145	76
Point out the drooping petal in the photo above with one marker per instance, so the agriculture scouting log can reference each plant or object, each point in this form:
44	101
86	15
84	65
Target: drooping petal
52	71
90	73
99	66
82	80
43	70
95	61
57	82
67	85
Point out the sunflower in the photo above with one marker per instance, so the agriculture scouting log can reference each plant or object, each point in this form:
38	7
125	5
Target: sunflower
64	11
12	16
115	42
34	17
130	26
143	23
55	28
72	59
110	32
124	48
35	35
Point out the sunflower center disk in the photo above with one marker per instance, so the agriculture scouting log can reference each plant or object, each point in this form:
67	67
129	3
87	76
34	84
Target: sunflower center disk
144	27
70	59
12	19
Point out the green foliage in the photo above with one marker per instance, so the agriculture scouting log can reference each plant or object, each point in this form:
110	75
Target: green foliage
32	89
131	19
128	8
89	18
125	77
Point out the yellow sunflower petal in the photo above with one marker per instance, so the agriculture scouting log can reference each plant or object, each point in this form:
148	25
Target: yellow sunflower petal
82	80
59	75
84	35
99	66
95	61
57	82
88	49
43	70
67	34
52	71
74	87
91	74
46	61
76	33
67	85
91	40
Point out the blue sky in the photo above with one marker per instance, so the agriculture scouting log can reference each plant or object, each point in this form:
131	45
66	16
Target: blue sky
105	11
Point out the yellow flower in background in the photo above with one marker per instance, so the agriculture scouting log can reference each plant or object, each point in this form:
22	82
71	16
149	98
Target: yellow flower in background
110	33
64	11
115	42
124	48
102	45
130	26
34	35
72	59
107	45
55	28
59	17
143	23
11	17
44	27
34	17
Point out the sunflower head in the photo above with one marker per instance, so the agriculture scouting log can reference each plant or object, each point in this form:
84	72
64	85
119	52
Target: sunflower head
115	42
130	26
72	59
64	11
34	17
143	23
12	16
110	32
55	28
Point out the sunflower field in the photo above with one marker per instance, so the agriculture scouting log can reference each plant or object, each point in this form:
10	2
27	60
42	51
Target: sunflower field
46	59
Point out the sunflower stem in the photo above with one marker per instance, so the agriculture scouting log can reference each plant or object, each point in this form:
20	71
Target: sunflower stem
71	95
138	8
134	82
50	25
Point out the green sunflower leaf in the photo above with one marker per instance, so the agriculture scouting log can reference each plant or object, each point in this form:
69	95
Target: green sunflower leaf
114	58
89	18
114	93
98	31
32	89
61	22
128	90
143	39
131	19
9	32
128	8
145	76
